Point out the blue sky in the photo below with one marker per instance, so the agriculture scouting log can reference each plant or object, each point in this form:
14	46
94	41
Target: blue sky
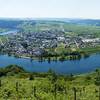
50	8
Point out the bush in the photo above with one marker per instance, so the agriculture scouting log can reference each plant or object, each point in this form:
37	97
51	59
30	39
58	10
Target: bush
31	77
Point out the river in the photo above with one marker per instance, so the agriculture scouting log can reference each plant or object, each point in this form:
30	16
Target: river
84	65
9	32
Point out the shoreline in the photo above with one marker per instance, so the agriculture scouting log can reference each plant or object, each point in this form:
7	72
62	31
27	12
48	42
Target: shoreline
66	58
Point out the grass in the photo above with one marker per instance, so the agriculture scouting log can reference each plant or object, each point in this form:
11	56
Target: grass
90	50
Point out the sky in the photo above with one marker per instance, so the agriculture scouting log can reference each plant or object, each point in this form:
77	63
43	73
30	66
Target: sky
50	9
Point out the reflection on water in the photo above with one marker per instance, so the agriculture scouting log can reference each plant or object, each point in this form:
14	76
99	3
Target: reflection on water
66	67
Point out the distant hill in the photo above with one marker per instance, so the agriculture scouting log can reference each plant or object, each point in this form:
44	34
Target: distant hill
13	23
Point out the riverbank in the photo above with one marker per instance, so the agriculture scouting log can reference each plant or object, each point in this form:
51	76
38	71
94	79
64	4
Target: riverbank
75	55
56	55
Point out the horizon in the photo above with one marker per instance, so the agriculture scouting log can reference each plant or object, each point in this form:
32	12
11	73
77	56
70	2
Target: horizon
48	18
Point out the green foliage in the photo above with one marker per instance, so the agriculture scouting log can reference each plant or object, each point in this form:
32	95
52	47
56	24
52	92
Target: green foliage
11	70
97	79
47	86
31	77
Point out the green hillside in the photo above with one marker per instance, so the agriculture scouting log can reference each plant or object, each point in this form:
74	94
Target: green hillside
16	84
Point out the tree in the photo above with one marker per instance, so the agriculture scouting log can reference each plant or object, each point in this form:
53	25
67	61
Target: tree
97	81
74	90
31	77
17	85
54	77
0	83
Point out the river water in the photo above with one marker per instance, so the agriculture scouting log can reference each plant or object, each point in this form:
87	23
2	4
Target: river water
84	65
9	32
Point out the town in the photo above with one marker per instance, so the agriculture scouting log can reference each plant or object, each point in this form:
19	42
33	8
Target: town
36	43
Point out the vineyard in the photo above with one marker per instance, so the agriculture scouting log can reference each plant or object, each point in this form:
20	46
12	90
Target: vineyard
16	84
